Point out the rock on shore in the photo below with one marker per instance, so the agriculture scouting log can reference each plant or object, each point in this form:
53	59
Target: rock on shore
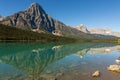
114	68
96	74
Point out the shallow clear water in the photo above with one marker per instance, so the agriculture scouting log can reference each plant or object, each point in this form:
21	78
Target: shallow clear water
38	61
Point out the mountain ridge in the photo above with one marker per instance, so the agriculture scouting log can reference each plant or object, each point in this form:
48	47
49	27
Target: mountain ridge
36	19
98	31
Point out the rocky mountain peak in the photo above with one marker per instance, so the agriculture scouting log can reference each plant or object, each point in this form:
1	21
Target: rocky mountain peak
82	28
34	4
35	9
33	18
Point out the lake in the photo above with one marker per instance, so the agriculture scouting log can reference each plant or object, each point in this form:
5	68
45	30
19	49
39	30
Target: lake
40	61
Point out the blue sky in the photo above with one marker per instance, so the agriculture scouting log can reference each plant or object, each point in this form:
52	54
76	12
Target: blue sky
92	13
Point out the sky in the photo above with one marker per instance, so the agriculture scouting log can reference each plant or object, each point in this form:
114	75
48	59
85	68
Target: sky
92	13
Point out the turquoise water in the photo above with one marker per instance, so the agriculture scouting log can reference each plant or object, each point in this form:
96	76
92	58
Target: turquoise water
76	61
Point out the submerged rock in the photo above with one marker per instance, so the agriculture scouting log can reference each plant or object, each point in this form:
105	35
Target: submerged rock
114	68
96	74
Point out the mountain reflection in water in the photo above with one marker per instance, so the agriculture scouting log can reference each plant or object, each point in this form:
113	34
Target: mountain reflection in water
37	61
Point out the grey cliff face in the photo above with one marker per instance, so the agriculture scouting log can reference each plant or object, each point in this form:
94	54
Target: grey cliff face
32	18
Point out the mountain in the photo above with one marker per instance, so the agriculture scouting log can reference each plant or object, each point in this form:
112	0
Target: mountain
104	31
1	18
35	19
82	28
99	32
32	18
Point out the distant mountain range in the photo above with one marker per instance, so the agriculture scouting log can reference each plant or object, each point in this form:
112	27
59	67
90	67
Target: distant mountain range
98	31
104	31
36	19
1	18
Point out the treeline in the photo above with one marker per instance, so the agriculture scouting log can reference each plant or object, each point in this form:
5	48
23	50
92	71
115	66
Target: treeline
8	33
